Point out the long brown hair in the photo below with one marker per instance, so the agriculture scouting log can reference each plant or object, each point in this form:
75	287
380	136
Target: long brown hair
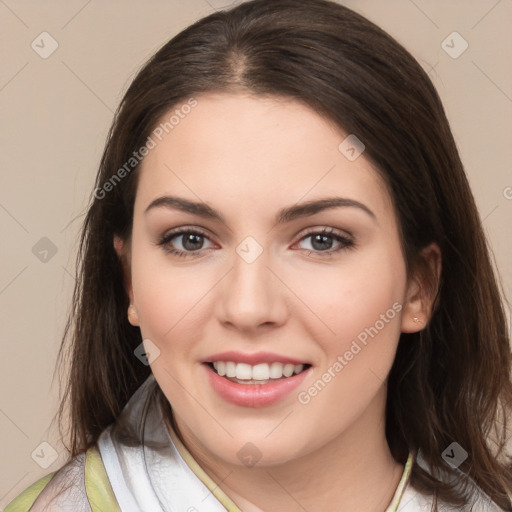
449	382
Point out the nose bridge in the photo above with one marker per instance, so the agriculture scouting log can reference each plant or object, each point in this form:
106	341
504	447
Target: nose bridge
251	294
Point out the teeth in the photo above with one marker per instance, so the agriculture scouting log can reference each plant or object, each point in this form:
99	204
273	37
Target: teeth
243	371
260	372
276	370
220	367
288	370
230	369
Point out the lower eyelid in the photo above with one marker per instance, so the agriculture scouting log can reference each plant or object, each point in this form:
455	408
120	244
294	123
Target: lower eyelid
180	234
345	241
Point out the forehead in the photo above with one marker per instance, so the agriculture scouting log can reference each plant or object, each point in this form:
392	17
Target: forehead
256	152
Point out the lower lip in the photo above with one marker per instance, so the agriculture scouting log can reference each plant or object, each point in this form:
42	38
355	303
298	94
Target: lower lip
254	395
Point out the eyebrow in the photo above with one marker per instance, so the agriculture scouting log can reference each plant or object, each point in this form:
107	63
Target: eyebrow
284	215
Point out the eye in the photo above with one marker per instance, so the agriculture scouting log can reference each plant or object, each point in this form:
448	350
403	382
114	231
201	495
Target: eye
322	242
190	240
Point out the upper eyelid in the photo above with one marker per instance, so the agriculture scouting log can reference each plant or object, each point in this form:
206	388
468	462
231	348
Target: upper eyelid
346	241
328	230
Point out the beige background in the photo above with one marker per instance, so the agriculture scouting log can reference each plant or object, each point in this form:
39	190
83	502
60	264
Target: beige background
55	113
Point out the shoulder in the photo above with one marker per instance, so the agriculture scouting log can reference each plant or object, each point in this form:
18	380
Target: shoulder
25	500
414	501
80	485
477	500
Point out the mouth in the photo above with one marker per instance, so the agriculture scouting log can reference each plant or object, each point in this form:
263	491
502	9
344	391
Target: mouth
262	373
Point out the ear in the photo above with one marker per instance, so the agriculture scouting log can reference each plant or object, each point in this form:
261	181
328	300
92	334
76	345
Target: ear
422	288
122	250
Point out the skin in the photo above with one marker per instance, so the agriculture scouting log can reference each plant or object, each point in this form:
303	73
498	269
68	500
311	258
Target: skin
248	157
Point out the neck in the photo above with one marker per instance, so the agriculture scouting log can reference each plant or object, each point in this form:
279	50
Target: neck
354	471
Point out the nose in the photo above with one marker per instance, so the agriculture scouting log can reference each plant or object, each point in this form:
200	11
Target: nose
251	297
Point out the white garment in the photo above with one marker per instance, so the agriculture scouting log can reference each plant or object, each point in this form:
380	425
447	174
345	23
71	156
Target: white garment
148	473
144	467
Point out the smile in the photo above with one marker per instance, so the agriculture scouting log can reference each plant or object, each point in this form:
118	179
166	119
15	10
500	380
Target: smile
259	392
262	373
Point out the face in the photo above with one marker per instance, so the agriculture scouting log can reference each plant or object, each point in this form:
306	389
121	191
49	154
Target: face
266	276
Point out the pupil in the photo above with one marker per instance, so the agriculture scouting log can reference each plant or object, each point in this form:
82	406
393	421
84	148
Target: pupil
322	239
190	240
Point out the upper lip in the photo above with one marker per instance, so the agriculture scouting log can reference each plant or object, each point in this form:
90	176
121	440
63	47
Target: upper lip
254	358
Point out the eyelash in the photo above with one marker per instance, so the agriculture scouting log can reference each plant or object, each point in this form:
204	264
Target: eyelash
164	242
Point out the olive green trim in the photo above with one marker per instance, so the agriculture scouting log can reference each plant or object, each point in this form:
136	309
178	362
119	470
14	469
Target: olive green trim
97	485
24	501
404	480
225	500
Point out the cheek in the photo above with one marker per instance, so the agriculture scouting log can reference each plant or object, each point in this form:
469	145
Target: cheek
348	299
361	304
166	296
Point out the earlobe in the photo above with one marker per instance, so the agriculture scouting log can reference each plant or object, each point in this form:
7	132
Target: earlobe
133	318
118	246
422	290
122	252
413	314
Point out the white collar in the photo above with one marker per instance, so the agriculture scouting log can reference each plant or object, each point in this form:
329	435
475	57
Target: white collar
147	471
144	467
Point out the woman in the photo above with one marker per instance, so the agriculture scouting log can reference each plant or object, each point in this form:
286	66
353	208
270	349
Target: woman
286	300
